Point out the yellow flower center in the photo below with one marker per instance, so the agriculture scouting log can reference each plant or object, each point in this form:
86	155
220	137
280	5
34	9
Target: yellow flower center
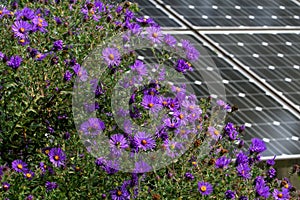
144	142
181	116
155	35
56	157
165	103
178	89
280	195
182	132
194	163
45	166
11	13
203	188
111	56
22	30
172	146
22	40
5	186
40	25
47	151
150	105
20	166
38	55
216	132
119	192
28	175
286	186
1	12
191	107
172	105
189	64
40	20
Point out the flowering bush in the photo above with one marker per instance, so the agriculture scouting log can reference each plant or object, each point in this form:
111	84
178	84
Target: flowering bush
68	130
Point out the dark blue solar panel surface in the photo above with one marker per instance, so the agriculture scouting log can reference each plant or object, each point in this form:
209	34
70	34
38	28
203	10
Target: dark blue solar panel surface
237	12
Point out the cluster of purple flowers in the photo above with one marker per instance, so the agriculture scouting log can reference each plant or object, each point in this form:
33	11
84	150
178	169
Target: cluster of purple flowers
21	167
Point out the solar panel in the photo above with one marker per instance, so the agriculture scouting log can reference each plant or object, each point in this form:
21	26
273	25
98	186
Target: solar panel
230	13
273	57
159	15
267	103
264	117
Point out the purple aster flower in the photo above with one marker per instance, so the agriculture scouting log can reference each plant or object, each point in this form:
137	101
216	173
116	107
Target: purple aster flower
151	103
231	131
29	197
80	72
5	186
43	167
284	194
111	166
173	104
58	20
145	21
271	173
189	176
28	174
243	198
192	53
205	188
112	56
182	66
155	34
21	28
92	126
139	67
271	162
222	162
241	158
25	14
230	194
244	170
58	45
14	62
170	40
23	41
172	122
118	142
261	188
3	11
214	133
121	193
134	112
144	141
100	162
57	157
128	15
257	146
68	75
135	28
39	24
173	148
19	166
51	186
141	167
